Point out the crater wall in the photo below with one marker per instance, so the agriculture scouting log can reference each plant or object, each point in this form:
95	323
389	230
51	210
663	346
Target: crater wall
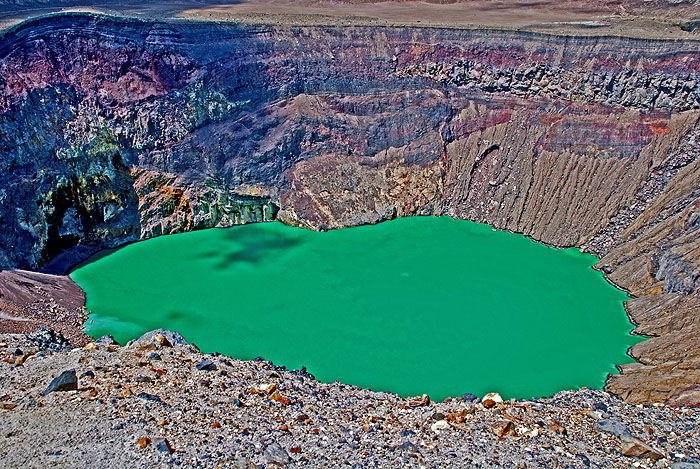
113	130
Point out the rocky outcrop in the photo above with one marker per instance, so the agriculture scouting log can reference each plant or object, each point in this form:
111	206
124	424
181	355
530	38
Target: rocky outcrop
627	88
113	130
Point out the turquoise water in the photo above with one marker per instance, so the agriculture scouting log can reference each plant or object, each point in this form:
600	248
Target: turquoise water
415	305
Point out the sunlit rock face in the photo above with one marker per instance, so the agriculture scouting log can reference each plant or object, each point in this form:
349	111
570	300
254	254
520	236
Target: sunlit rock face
113	130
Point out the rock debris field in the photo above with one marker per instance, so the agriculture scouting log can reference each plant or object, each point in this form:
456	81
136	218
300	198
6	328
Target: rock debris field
159	402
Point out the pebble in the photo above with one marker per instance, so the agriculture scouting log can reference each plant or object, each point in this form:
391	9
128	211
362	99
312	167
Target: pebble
275	454
163	445
439	425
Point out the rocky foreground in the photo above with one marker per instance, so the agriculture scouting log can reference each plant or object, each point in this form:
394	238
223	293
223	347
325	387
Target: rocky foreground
158	401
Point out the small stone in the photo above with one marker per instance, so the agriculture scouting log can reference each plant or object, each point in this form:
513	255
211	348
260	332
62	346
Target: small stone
419	401
583	459
88	374
161	340
269	388
206	365
154	356
275	454
143	379
163	446
91	346
502	428
469	397
276	396
244	464
295	449
30	403
149	397
66	381
143	442
161	423
440	425
556	427
491	399
631	446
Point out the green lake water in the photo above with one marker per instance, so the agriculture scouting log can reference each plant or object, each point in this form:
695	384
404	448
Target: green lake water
415	305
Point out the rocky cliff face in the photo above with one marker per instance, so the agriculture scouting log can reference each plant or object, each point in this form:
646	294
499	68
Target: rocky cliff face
114	130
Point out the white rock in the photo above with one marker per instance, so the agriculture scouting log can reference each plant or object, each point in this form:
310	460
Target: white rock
440	425
491	399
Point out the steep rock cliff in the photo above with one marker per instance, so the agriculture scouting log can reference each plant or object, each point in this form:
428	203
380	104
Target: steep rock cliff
113	130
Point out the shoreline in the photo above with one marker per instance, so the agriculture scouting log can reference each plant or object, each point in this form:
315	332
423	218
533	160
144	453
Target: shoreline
70	322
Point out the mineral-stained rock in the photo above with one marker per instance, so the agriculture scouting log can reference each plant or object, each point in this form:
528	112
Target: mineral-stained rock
419	401
491	399
143	442
161	340
631	446
502	428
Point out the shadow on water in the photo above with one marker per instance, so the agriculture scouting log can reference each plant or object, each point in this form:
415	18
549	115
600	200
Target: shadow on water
254	243
176	315
96	257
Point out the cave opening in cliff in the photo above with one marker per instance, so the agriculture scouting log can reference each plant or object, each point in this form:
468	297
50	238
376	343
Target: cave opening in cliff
415	305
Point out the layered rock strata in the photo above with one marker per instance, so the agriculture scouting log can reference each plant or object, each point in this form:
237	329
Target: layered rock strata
114	130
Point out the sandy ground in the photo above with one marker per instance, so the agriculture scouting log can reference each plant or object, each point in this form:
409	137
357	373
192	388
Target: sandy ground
637	18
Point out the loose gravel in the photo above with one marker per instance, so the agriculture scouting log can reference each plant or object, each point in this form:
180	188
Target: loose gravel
159	402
